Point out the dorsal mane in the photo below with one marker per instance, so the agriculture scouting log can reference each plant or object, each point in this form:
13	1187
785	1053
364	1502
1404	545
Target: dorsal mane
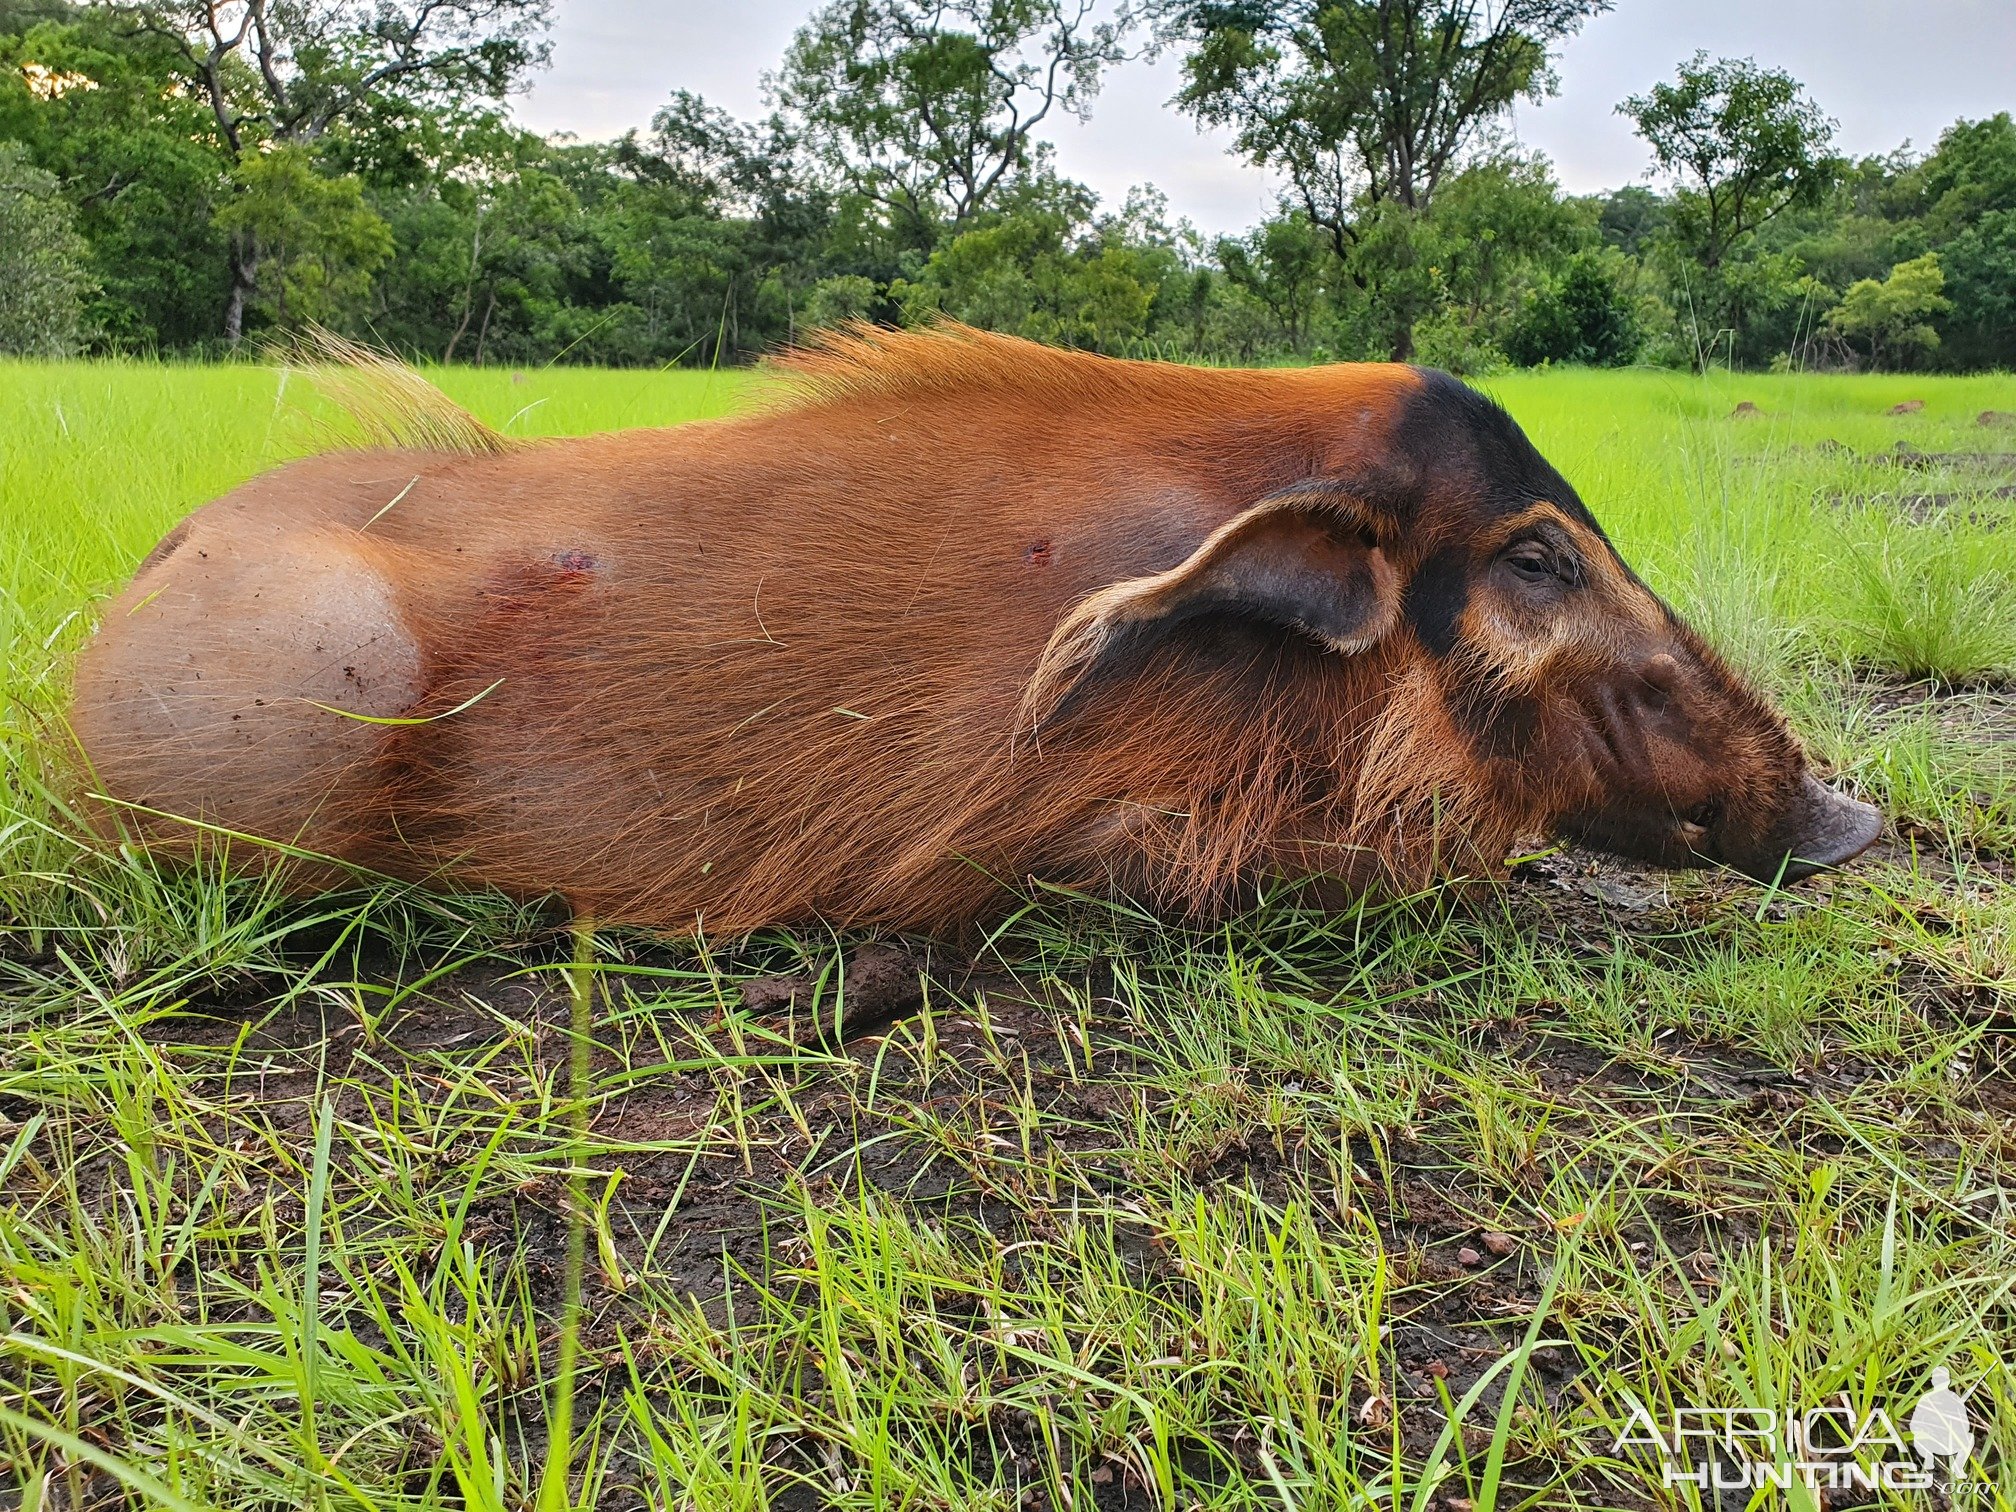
860	360
386	404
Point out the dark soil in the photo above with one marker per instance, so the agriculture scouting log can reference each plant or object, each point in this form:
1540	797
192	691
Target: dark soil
1930	508
1908	456
1990	482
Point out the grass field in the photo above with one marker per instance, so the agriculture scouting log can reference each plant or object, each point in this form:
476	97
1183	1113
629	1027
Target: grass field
388	1201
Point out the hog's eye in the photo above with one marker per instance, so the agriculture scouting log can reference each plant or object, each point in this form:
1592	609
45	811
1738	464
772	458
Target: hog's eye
1535	564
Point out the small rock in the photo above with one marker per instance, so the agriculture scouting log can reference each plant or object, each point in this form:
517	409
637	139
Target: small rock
1468	1256
1499	1244
1908	407
1744	411
1995	417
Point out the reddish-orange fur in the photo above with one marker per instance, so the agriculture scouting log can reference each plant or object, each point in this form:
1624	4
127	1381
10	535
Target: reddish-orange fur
772	668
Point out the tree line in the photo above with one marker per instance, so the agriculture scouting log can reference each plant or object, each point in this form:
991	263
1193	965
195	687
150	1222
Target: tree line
180	176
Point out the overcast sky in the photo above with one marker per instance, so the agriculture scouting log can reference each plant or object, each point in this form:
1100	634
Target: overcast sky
1887	70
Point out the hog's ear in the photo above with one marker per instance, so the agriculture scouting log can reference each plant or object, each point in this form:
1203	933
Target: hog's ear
1304	563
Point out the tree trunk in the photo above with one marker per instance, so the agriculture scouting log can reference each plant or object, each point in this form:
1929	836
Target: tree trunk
1403	344
483	331
468	310
244	280
469	290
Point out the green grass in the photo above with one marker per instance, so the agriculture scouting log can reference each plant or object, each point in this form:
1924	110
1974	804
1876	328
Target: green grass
390	1201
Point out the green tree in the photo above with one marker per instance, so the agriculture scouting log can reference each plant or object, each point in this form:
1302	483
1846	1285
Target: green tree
43	275
320	243
1460	269
929	108
481	254
1283	265
714	236
103	108
287	72
734	167
841	300
1870	221
1980	263
1366	106
1970	174
1891	320
1495	223
688	275
1039	266
1631	219
1966	198
1745	145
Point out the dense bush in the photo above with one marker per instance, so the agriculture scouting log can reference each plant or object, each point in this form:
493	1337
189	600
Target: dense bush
1889	320
43	278
1580	315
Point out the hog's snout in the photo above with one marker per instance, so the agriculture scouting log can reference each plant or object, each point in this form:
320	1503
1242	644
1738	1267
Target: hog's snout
1690	767
1820	828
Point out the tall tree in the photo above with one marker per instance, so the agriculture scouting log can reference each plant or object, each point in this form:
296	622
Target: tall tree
286	71
929	107
1745	144
1970	174
1364	105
